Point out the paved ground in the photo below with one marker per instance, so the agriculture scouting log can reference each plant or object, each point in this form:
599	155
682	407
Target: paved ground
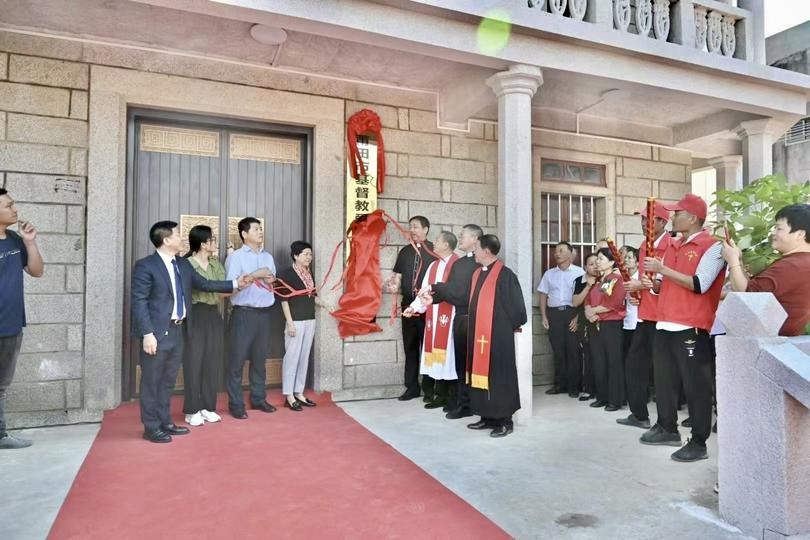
574	473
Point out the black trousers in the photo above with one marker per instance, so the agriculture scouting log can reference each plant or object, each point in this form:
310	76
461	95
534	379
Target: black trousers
637	367
567	371
158	377
413	332
249	339
203	359
585	333
686	357
608	368
9	352
460	348
498	422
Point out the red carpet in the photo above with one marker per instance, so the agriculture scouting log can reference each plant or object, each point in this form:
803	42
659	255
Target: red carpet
313	474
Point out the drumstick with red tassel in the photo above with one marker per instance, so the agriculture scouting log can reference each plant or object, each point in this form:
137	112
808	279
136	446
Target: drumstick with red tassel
650	232
617	257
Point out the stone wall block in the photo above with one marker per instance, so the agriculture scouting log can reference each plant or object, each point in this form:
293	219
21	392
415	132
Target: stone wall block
370	352
751	314
2	126
40	129
633	186
423	121
404	118
61	248
670	191
74	278
388	256
3	66
674	155
28	69
54	308
397	187
447	169
43	338
464	148
466	192
73	394
48	366
78	161
627	224
52	281
654	170
449	213
378	374
75	220
389	117
35	396
403	168
46	189
78	104
634	204
570	141
410	142
40	46
45	217
36	158
75	337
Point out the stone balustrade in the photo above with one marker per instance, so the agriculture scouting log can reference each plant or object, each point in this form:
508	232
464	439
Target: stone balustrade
763	404
714	26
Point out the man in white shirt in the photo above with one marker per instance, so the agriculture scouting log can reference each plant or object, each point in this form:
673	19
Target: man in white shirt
556	290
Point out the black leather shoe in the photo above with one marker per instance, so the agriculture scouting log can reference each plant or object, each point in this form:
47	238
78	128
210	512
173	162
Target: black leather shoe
174	429
612	408
687	422
306	402
457	413
691	451
586	397
157	436
263	406
295	406
573	395
447	408
239	414
408	395
428	398
631	420
481	424
501	431
435	404
553	391
596	404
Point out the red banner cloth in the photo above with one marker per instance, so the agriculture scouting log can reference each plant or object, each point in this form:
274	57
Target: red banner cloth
362	294
365	121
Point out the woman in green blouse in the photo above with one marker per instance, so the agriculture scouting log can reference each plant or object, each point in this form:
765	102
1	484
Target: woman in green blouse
204	355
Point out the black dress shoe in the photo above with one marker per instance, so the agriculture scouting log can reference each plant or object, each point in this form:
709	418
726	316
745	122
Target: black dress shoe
687	422
457	413
501	431
263	406
447	408
586	397
612	408
239	414
596	404
174	429
408	395
306	402
573	395
436	404
294	406
157	436
481	424
553	391
428	398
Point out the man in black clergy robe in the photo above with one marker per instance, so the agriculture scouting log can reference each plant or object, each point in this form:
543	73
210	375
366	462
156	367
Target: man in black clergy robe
456	291
493	374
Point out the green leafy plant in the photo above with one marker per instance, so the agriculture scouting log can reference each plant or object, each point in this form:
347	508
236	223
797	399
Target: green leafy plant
749	215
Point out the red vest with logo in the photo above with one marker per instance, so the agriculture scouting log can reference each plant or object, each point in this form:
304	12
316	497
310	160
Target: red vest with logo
681	305
648	308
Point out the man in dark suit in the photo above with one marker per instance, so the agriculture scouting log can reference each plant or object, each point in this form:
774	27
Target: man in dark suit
161	315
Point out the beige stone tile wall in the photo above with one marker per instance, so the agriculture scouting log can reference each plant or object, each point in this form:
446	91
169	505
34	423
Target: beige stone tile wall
43	155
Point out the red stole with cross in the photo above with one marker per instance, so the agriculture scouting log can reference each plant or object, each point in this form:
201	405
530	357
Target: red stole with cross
484	312
437	332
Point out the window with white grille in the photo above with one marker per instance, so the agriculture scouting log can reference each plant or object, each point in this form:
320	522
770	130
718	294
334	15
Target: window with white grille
798	133
569	218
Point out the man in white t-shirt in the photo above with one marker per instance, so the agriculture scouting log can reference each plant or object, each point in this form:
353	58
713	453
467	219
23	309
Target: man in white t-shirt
556	290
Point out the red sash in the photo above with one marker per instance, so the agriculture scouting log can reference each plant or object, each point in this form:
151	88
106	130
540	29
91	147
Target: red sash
482	338
436	338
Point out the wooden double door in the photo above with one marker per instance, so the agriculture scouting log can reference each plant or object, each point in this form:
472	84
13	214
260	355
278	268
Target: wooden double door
201	170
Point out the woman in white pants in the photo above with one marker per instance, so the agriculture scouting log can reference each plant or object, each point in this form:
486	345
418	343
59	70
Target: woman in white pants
299	312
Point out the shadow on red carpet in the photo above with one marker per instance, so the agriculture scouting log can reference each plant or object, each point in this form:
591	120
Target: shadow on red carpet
313	474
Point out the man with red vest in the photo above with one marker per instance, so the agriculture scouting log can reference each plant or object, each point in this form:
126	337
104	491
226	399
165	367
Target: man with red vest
639	358
689	281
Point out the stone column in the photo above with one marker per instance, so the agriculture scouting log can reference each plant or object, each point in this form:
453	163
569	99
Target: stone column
514	89
754	38
729	172
757	137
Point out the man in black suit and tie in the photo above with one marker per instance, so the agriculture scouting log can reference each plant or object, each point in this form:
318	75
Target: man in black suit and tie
161	310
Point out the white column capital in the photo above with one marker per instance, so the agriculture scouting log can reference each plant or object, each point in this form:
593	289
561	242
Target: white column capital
757	127
724	162
518	79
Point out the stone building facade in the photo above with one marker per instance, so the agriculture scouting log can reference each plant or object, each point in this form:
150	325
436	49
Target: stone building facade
64	99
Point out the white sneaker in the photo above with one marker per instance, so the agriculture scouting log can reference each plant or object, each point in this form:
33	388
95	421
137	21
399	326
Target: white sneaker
210	416
195	419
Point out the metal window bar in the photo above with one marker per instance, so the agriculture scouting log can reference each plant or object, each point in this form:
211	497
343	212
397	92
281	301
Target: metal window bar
566	226
798	133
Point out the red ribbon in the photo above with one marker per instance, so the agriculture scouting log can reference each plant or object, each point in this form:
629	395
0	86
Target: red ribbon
366	121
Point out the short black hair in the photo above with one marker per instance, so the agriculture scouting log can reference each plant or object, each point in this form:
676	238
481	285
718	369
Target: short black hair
450	238
588	256
607	253
244	226
3	192
160	231
566	244
297	247
491	243
797	217
423	221
475	229
197	236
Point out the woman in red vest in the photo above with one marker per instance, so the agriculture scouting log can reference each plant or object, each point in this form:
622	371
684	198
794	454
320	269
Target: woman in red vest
605	308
